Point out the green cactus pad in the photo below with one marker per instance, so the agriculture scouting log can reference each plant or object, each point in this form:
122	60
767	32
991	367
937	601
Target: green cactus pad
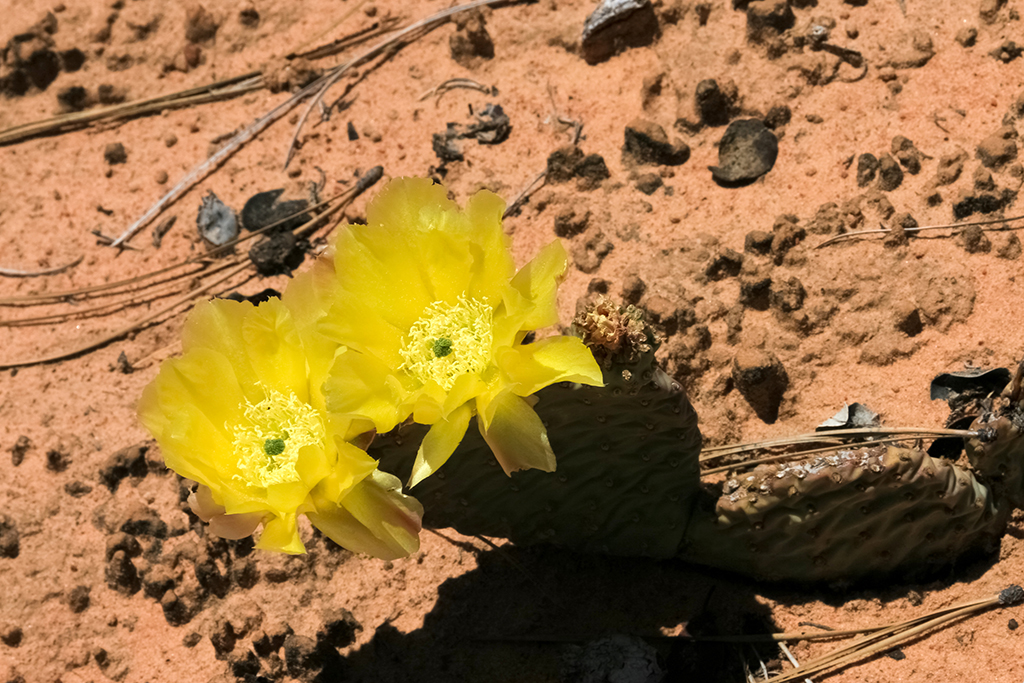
852	514
626	476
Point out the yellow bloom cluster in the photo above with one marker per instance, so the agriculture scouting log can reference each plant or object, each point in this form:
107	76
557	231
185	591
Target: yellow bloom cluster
419	314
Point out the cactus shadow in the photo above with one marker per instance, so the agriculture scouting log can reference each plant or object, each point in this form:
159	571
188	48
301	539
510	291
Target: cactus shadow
523	613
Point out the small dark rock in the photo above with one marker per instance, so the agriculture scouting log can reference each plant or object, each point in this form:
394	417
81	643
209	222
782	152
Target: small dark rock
10	539
1007	51
569	224
715	105
754	293
72	60
778	116
216	221
265	208
77	489
758	242
249	16
915	50
598	285
648	183
967	36
471	42
57	460
1012	625
762	380
726	263
788	295
633	289
998	149
42	67
121	574
11	635
747	151
115	153
127	462
616	25
973	240
899	225
907	154
176	611
191	640
73	98
647	143
350	130
950	167
867	167
277	254
19	449
890	175
768	19
78	599
200	25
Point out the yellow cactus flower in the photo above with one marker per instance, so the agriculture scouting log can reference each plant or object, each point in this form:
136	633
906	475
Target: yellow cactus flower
240	412
431	316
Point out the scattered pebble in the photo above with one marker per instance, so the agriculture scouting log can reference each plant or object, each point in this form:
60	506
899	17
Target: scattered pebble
115	153
617	24
568	223
10	539
78	599
890	175
19	449
867	168
216	221
747	151
715	105
647	143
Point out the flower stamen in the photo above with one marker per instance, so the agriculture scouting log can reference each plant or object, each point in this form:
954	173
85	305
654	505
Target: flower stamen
448	341
271	434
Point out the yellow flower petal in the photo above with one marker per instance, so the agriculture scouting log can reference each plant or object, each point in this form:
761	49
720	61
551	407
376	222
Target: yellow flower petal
234	527
439	443
532	367
538	283
375	518
309	296
517	437
362	384
282	534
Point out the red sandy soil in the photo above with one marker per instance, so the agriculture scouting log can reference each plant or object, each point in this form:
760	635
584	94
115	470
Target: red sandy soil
459	610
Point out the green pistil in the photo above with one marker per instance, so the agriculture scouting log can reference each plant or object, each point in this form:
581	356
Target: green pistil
442	347
273	446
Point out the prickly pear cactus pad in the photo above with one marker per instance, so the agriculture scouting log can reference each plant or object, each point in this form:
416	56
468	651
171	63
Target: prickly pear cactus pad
851	514
627	458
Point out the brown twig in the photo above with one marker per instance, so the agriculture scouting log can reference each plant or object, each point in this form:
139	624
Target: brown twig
832	435
11	272
885	231
454	84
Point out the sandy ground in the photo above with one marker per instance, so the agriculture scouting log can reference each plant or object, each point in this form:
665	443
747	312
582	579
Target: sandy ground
870	320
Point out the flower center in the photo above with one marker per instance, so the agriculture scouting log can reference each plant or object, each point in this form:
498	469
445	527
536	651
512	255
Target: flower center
270	435
448	341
